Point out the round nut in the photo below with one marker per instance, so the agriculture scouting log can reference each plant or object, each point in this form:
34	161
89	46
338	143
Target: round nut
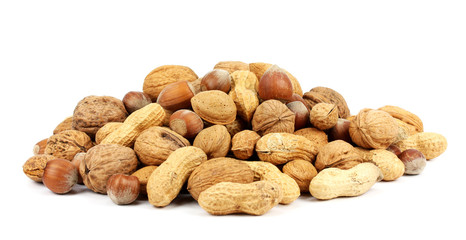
214	141
316	136
338	154
414	161
66	124
324	116
215	107
176	96
273	116
60	176
217	79
243	144
186	123
123	189
302	172
301	114
275	84
135	100
68	143
327	95
160	77
39	148
34	166
340	131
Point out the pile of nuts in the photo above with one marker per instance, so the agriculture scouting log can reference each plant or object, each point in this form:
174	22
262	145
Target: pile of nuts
241	139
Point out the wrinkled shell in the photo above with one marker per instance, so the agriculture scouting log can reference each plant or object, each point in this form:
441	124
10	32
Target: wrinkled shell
166	181
160	77
405	116
218	170
269	172
244	79
93	112
373	129
34	166
246	102
337	154
214	141
255	198
232	66
259	69
279	148
66	124
103	161
327	95
430	144
273	116
316	136
390	165
106	130
214	106
155	144
324	116
236	126
244	143
333	182
302	172
143	175
67	143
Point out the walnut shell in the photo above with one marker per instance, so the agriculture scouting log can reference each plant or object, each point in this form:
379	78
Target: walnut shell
338	154
93	112
214	106
214	141
103	161
155	144
279	148
218	170
105	130
273	116
327	95
66	124
324	116
244	143
162	76
34	166
232	66
302	172
373	129
318	137
67	143
143	175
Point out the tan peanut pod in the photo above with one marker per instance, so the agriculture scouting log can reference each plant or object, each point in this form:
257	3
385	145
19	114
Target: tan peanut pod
161	76
244	79
232	66
260	68
104	131
255	198
148	116
246	102
166	181
334	182
269	172
279	148
405	116
430	144
390	165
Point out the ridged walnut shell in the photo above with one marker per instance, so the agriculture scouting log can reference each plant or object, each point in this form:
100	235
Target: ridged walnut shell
279	148
327	95
34	166
104	160
155	144
215	107
302	172
93	112
215	141
218	170
160	77
316	136
68	143
337	154
373	129
273	116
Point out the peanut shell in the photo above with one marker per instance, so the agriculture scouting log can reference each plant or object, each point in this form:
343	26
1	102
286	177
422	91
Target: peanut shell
430	144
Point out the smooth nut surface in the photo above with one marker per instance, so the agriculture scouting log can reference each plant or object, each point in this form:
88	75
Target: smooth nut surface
176	96
215	107
217	79
60	176
414	161
275	84
123	189
135	100
186	123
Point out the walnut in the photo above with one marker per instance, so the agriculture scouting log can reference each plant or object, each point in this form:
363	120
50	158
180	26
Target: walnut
103	161
64	125
214	141
316	136
34	166
155	144
338	154
243	144
143	175
327	95
273	116
324	116
302	172
67	143
93	112
373	129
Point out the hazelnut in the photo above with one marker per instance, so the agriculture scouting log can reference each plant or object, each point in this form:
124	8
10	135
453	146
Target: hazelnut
217	79
176	96
186	123
39	148
413	160
275	84
60	176
301	114
394	149
76	162
135	100
340	131
297	97
123	189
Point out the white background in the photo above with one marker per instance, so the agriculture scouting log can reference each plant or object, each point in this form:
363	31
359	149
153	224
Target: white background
410	54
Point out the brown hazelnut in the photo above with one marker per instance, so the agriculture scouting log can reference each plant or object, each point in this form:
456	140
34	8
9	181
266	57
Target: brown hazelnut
60	176
76	162
340	131
135	100
39	148
217	79
297	97
176	96
394	149
186	123
301	114
123	189
275	84
413	160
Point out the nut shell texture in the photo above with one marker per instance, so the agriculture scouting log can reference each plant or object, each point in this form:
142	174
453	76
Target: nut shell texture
390	165
405	116
93	112
273	116
373	129
338	154
243	143
302	172
68	143
215	141
430	144
327	95
103	161
215	107
160	77
34	166
279	148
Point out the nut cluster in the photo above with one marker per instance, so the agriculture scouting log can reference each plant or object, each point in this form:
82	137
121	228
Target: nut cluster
242	138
